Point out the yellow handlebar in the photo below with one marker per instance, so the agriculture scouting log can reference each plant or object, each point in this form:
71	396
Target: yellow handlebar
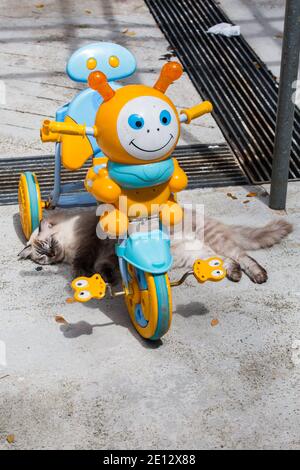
52	131
63	128
197	111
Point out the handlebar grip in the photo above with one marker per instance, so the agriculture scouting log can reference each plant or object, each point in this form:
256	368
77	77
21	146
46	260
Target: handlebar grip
197	111
55	127
52	131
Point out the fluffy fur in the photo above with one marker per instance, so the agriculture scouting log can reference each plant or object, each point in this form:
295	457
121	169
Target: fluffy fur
72	238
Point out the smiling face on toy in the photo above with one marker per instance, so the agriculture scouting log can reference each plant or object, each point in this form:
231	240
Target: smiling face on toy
147	128
137	124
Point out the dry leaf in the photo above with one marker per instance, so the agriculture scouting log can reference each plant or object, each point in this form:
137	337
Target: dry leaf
70	300
40	5
88	12
231	196
251	194
60	319
130	33
246	202
124	31
278	36
10	438
214	322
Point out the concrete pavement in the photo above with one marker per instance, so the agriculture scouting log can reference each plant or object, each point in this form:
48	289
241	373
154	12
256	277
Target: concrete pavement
96	384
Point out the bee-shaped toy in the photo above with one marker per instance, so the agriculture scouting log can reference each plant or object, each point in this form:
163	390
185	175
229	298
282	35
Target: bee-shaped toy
137	127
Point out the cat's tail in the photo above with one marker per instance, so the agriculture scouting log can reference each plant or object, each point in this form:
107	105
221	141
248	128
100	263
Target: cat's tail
249	238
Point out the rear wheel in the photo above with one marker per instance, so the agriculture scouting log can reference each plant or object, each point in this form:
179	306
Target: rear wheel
30	203
149	302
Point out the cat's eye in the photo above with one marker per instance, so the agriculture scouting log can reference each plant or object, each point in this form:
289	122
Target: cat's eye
217	273
81	283
214	262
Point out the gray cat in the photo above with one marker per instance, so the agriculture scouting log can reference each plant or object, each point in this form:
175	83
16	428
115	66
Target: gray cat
71	238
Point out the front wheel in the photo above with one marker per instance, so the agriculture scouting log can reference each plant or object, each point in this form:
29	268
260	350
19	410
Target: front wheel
30	203
149	302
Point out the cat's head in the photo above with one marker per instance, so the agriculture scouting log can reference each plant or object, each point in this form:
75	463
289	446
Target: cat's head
43	247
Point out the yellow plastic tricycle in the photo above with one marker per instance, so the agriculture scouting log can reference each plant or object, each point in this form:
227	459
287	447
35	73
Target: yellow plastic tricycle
136	180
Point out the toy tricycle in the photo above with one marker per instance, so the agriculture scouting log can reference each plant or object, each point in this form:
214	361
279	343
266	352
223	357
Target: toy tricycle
117	63
136	180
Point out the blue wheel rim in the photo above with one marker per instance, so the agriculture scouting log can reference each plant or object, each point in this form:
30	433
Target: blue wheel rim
34	201
163	306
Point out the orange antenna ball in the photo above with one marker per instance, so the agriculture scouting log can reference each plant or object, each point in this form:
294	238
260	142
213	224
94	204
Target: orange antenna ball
170	72
98	81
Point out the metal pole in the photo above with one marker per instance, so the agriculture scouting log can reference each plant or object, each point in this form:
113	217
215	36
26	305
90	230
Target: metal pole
286	107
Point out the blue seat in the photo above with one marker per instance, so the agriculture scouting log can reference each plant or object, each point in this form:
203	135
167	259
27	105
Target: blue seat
116	62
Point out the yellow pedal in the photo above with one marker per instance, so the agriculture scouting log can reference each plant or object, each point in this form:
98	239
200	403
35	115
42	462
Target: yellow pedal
211	269
87	288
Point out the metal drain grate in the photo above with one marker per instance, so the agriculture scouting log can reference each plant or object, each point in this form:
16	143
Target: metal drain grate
43	167
229	73
212	165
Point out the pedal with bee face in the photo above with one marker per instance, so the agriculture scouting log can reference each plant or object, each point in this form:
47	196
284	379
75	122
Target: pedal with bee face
211	269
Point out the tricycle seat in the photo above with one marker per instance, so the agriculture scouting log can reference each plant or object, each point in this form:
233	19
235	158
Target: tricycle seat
116	62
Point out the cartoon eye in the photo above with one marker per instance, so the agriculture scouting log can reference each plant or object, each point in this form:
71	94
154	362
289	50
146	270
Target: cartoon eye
84	294
217	273
91	63
165	117
136	122
114	61
81	283
214	262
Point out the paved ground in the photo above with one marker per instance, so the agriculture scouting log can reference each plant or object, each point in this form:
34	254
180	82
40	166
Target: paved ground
261	23
96	384
35	44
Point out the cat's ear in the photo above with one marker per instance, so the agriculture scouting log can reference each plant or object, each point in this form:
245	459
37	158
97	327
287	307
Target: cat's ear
26	252
45	227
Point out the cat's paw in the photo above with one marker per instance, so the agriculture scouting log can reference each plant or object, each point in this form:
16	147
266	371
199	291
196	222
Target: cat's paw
234	274
233	270
260	276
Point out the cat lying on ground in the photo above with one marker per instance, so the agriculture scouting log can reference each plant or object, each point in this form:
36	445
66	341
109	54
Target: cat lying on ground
71	238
